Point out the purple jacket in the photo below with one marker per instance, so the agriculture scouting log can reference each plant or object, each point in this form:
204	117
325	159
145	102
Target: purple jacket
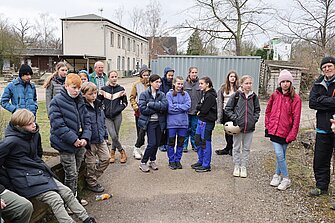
178	107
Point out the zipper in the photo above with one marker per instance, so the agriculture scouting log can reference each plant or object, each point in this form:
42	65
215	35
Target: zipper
246	115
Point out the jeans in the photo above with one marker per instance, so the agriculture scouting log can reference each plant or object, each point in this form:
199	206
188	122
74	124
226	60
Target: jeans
281	166
203	141
113	128
154	136
192	125
175	156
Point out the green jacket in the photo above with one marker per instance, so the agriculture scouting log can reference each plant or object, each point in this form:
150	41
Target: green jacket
93	78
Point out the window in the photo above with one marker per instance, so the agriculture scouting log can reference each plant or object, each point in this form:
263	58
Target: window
118	41
118	63
112	39
134	45
138	51
123	42
134	65
128	44
128	63
123	63
141	48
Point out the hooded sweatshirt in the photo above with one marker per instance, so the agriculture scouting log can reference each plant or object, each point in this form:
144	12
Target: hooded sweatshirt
207	107
166	83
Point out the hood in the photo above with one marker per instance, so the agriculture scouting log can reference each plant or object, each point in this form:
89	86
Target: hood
19	132
167	69
212	92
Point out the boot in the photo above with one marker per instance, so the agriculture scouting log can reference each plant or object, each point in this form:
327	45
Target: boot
112	160
123	158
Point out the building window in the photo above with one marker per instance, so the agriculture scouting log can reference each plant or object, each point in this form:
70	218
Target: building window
128	44
118	41
134	45
123	42
138	51
128	63
118	63
112	39
141	48
134	64
123	63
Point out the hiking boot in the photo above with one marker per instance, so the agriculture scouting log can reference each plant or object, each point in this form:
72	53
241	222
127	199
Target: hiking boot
144	167
89	220
315	192
195	165
276	179
98	188
172	165
243	172
112	159
153	165
202	169
137	153
222	151
284	184
236	172
178	165
123	157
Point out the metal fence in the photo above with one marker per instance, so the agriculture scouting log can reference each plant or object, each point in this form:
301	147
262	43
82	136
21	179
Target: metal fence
216	67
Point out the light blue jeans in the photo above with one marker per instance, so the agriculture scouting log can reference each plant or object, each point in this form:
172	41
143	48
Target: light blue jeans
281	166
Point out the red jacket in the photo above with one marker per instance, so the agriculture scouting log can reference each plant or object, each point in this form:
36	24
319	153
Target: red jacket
282	116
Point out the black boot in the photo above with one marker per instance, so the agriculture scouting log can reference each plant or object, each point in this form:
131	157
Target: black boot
222	151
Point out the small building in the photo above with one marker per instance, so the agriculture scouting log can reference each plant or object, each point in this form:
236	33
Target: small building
162	46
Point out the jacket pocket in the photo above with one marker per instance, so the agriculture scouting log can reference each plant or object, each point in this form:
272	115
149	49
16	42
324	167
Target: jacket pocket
36	178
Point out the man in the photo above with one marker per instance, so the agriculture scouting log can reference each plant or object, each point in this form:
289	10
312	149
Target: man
322	99
137	88
98	77
20	92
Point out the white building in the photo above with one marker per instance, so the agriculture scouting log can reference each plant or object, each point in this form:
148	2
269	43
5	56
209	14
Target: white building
89	38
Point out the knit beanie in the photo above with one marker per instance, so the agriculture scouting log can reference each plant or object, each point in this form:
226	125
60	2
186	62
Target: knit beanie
25	69
327	60
143	69
285	75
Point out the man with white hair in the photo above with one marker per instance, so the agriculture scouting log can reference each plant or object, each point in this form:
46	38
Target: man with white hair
98	77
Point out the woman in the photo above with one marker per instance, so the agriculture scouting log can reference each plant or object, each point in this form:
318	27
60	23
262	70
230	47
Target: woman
226	90
152	105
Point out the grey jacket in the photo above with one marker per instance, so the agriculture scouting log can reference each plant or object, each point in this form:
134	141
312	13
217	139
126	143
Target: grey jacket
54	88
193	89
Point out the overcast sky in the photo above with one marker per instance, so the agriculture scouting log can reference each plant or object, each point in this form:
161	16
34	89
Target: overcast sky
173	11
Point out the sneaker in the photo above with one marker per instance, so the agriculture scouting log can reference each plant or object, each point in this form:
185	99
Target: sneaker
202	169
153	165
178	165
162	148
172	165
222	151
142	150
98	188
195	165
90	220
284	184
236	172
137	153
83	202
276	179
144	167
185	150
315	192
243	172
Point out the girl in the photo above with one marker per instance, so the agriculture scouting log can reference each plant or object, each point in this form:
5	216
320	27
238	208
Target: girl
179	102
243	109
226	90
55	82
83	76
207	115
152	105
282	119
115	101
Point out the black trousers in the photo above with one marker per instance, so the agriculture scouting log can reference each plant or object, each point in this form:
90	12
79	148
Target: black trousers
140	135
324	147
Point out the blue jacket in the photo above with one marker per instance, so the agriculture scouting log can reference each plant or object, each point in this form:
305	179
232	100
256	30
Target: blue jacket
149	106
20	95
69	121
98	126
178	107
20	155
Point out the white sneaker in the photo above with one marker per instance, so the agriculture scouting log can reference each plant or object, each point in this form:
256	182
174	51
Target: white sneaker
236	172
137	153
276	179
142	150
243	172
285	183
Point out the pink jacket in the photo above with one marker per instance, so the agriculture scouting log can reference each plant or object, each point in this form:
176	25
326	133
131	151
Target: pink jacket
282	116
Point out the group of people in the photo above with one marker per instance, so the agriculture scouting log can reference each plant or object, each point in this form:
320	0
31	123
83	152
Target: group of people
84	108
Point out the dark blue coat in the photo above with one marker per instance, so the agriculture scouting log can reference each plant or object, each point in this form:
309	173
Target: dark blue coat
19	154
166	85
98	126
149	106
69	121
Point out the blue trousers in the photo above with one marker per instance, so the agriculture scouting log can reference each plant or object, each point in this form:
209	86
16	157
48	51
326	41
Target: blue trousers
175	156
280	150
203	140
154	136
192	125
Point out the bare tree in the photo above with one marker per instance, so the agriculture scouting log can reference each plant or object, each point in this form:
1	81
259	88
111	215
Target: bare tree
152	22
228	20
45	31
21	31
119	12
313	21
136	19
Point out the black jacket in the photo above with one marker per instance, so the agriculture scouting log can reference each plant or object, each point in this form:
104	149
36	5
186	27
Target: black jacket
321	98
207	107
113	107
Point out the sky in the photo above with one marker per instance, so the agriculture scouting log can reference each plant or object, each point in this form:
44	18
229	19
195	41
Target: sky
173	12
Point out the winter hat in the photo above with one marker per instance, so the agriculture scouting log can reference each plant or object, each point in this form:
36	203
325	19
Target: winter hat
25	69
143	69
167	69
327	60
285	75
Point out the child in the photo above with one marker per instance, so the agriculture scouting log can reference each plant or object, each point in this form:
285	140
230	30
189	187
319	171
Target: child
20	154
70	129
282	119
226	90
245	113
115	101
153	105
55	82
207	115
98	146
179	102
83	76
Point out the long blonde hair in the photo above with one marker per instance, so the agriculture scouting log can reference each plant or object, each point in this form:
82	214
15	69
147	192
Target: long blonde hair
47	81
